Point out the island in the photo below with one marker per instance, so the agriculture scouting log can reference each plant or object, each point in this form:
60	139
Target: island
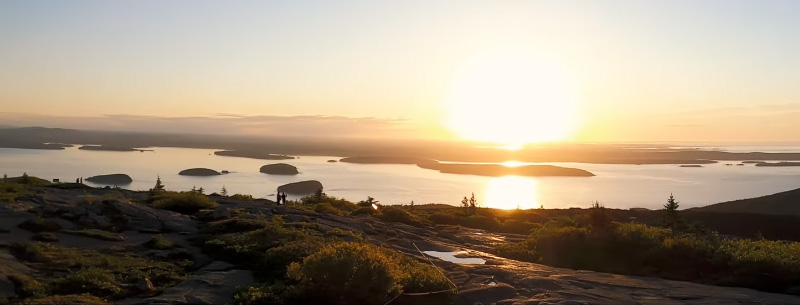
301	188
385	160
32	145
252	155
479	169
693	165
279	169
202	172
111	148
497	170
777	164
111	179
332	161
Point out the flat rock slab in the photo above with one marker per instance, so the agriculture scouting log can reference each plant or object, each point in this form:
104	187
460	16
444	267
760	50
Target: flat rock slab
10	266
208	288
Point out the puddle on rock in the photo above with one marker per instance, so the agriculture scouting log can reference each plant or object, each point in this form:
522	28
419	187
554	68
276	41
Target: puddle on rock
451	257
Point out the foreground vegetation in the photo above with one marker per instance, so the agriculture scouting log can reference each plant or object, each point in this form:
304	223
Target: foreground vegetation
301	261
295	264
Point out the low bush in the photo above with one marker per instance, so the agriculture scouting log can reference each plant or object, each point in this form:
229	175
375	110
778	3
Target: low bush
235	225
185	202
395	214
84	263
94	281
639	249
242	197
356	273
39	224
159	242
97	234
72	299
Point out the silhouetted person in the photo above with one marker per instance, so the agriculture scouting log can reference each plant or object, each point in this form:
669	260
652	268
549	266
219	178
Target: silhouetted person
77	180
279	198
283	197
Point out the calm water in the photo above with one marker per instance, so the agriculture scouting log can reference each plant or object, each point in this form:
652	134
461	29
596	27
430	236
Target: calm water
619	186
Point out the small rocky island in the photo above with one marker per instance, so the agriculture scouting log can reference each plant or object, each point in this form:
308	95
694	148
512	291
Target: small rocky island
492	170
279	169
202	172
777	164
252	155
112	179
301	188
693	165
108	148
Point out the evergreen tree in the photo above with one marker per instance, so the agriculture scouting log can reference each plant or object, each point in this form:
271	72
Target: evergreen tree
598	215
224	191
5	178
672	218
24	179
411	205
465	204
473	204
201	190
159	186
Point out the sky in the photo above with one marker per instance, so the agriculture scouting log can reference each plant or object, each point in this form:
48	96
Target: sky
630	70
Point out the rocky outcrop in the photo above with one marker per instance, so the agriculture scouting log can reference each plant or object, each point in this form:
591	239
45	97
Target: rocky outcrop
301	188
112	179
9	267
214	287
203	172
279	169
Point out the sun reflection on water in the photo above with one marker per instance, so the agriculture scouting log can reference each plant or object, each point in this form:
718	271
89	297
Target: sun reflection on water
511	192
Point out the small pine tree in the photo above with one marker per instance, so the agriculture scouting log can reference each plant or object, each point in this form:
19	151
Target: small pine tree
201	190
159	186
672	218
465	205
411	205
194	189
473	204
24	179
318	195
5	178
224	191
598	215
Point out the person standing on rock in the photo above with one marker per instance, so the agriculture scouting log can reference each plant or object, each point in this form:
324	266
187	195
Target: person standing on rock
283	197
279	198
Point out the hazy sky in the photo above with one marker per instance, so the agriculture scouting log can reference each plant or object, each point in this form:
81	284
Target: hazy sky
640	70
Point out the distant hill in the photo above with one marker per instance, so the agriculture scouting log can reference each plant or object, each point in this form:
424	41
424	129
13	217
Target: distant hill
784	203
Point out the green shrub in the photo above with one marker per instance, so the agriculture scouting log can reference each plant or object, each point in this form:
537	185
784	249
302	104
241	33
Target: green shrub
356	273
128	268
39	224
185	202
363	211
242	197
28	287
348	273
93	281
339	234
236	225
81	299
395	214
97	234
159	242
638	249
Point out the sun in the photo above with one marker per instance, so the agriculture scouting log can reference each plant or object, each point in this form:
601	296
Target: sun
511	99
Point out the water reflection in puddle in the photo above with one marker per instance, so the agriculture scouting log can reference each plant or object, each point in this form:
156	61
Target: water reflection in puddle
451	257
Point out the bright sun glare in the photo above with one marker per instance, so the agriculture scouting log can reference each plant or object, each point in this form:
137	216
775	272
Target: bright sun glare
511	99
511	192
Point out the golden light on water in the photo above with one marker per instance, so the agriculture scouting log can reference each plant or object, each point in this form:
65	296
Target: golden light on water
512	99
511	192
